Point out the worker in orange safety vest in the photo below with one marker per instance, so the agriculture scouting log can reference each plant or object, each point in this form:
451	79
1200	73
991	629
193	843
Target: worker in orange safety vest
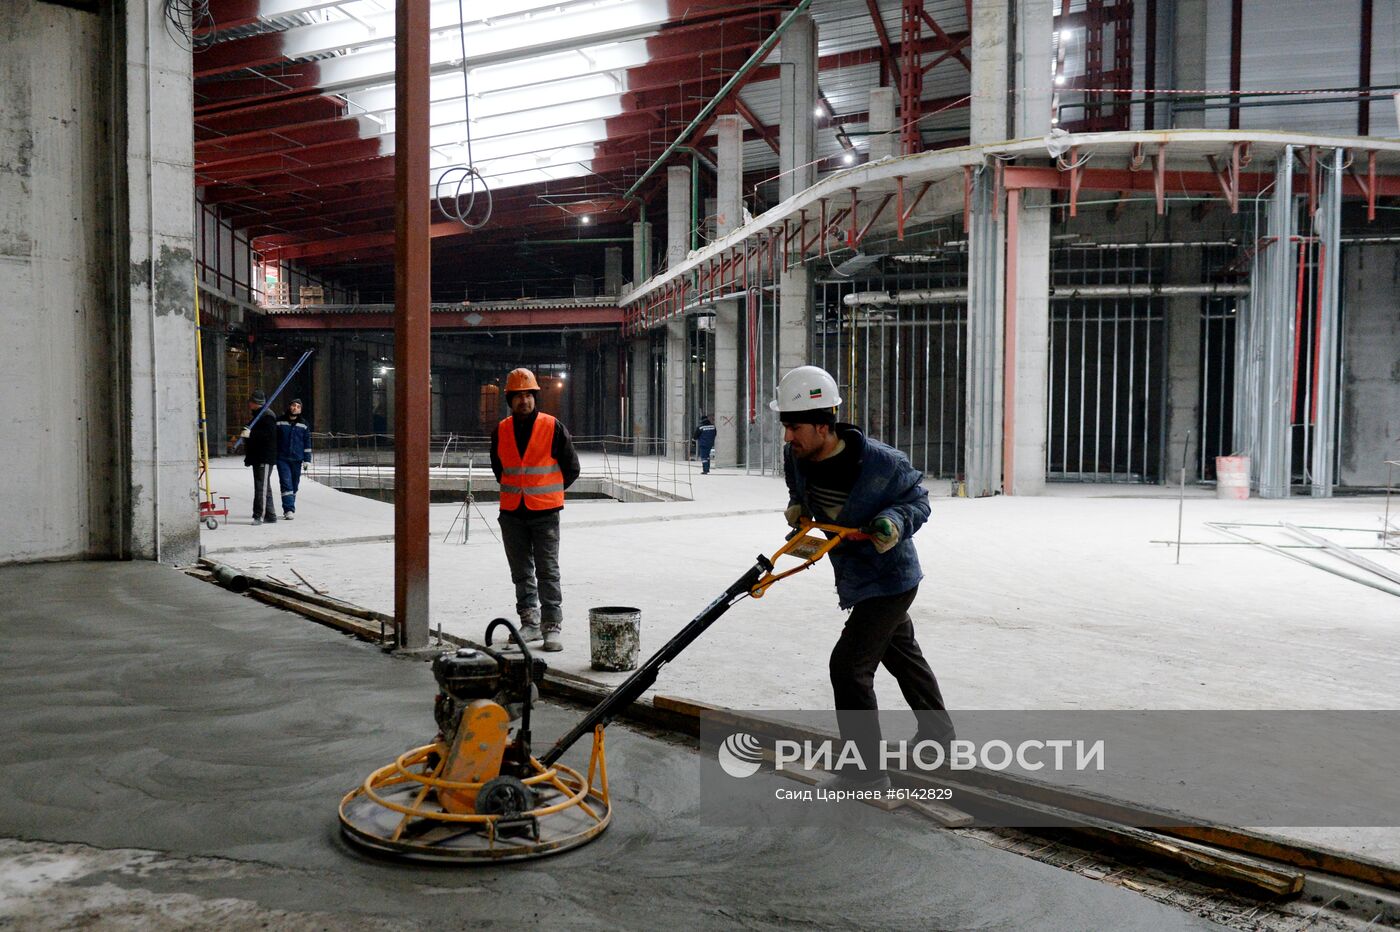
534	461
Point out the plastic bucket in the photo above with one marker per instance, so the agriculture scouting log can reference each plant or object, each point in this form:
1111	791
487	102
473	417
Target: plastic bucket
615	637
1232	477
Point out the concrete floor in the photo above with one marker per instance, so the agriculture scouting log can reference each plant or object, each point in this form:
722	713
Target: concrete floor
173	755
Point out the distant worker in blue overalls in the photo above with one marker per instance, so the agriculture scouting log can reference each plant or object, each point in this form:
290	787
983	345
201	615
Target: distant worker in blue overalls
293	451
705	442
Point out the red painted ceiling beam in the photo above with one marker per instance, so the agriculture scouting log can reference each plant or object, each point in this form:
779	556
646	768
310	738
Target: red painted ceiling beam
309	179
296	161
465	318
237	54
212	96
209	153
384	239
268	116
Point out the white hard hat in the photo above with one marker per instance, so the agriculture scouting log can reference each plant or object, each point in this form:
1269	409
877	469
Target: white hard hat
806	388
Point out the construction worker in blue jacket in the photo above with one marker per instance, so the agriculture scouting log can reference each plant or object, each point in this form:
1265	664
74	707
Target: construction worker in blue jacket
837	475
293	452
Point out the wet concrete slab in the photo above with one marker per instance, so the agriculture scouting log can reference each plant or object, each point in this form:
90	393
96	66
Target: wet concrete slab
170	746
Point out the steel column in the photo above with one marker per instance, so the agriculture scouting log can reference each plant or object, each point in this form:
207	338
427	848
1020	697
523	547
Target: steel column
412	327
1325	371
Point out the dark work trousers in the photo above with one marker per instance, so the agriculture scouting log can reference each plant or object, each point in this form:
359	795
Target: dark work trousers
532	550
878	631
263	507
705	451
289	478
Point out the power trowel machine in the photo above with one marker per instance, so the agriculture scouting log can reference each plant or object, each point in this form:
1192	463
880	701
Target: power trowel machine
477	792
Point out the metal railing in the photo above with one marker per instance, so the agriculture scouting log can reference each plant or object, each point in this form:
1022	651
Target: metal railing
457	461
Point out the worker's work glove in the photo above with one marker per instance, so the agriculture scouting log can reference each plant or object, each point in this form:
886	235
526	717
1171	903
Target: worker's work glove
884	534
244	433
793	514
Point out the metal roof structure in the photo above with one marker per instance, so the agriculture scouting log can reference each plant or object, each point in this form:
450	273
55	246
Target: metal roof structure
559	106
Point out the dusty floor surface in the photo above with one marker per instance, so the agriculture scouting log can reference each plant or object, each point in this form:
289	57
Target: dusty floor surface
1059	601
172	756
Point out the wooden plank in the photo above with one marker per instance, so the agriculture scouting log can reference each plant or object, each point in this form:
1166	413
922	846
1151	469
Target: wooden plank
332	619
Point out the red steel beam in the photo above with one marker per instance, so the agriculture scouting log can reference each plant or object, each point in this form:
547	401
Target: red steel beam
412	324
215	96
889	62
911	82
268	116
297	161
769	136
456	319
955	49
238	54
289	142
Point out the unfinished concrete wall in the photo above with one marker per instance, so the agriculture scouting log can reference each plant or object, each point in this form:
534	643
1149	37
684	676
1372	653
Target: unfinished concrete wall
158	214
56	367
97	352
1370	424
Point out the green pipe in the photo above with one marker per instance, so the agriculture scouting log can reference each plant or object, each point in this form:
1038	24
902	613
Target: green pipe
755	59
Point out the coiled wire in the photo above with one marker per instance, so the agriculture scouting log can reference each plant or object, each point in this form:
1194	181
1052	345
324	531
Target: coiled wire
189	23
454	178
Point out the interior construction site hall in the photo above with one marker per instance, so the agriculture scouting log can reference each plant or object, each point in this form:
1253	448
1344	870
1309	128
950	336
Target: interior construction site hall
623	464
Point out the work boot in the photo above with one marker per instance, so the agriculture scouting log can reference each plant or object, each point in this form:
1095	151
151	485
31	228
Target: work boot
257	520
531	634
553	641
287	516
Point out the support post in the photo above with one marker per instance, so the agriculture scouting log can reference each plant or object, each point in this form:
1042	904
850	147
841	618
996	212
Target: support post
412	287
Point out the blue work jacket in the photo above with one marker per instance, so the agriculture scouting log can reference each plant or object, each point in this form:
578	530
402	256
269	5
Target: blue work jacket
888	485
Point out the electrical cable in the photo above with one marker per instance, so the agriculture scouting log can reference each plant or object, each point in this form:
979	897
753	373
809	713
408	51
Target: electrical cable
458	175
189	23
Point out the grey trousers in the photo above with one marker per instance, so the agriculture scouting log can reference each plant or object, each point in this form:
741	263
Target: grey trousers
532	550
263	507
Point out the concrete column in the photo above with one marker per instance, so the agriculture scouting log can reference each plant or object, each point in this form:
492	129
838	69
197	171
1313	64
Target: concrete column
677	372
641	252
162	404
728	217
321	397
1032	342
1370	388
989	71
796	141
1183	369
612	271
216	390
639	395
884	127
729	186
794	309
1034	24
797	50
677	215
1188	64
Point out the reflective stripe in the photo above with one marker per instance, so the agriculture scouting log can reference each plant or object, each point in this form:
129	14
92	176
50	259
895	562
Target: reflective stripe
529	470
532	489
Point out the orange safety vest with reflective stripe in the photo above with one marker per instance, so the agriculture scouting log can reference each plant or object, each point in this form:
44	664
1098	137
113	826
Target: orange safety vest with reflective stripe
536	476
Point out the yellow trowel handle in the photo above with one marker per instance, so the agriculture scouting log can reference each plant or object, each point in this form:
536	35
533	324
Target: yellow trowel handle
806	545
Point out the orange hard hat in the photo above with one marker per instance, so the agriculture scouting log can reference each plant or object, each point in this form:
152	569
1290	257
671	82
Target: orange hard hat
521	380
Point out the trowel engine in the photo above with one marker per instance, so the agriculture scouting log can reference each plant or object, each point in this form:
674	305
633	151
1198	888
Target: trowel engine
482	711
